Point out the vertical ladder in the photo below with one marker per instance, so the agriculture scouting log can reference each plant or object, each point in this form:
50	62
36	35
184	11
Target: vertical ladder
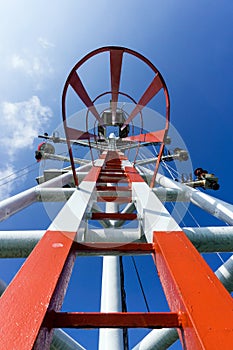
201	309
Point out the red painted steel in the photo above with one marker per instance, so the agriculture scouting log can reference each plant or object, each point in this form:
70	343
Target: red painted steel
115	72
133	174
112	174
112	320
93	174
115	180
26	300
113	188
118	247
114	216
152	184
155	86
113	198
75	134
116	56
78	87
192	288
156	136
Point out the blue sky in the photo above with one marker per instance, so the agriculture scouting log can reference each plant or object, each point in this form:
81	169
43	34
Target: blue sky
190	42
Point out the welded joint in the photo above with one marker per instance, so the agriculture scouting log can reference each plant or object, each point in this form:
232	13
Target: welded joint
182	319
156	248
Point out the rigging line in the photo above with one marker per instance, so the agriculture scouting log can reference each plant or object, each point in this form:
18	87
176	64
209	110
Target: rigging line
178	213
174	175
218	254
17	171
175	171
123	301
140	283
197	223
17	177
193	217
169	171
155	150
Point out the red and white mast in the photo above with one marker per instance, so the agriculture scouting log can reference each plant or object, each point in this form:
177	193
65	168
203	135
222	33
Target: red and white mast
113	207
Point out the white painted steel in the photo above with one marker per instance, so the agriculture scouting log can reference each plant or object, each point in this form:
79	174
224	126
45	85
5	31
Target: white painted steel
211	239
19	244
216	207
72	216
129	208
158	339
62	341
23	199
16	203
3	286
170	195
112	235
65	159
111	298
152	213
54	194
111	302
225	274
112	207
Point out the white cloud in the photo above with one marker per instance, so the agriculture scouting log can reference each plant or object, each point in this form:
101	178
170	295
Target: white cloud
45	43
20	123
34	62
19	62
37	67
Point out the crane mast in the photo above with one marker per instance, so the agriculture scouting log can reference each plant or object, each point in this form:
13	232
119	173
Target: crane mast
115	196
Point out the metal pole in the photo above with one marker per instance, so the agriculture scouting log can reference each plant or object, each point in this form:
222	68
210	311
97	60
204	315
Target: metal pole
62	341
111	296
111	302
211	239
216	207
23	199
19	244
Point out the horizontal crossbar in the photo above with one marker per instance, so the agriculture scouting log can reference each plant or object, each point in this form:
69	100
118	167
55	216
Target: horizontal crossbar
114	216
112	320
113	248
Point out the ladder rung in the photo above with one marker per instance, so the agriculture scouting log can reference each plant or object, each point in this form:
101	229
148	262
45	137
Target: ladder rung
113	188
112	320
112	180
112	174
113	169
114	199
114	216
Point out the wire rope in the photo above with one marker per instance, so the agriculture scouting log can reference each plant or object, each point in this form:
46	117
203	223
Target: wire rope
140	283
124	305
18	171
169	168
17	174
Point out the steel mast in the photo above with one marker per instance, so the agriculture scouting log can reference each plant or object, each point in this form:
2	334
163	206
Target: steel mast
113	207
